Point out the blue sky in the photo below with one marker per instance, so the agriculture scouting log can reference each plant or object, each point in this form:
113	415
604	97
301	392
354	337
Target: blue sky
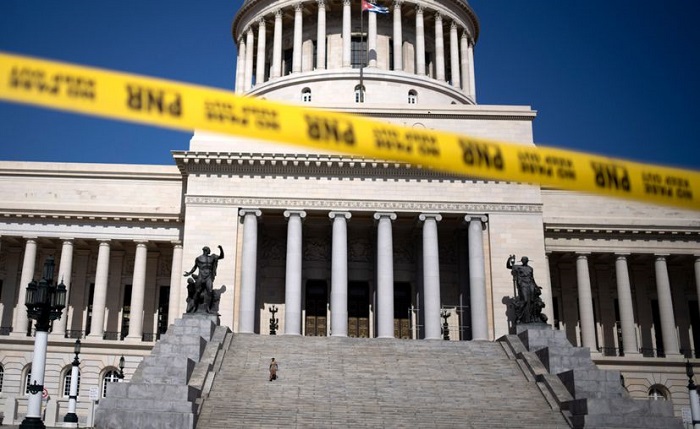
617	78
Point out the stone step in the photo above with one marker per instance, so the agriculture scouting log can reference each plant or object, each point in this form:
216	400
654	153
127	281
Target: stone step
347	382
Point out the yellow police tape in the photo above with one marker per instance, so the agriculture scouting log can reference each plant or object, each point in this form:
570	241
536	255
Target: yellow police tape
187	107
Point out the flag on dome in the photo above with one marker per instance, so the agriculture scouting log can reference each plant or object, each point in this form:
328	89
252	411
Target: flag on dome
371	7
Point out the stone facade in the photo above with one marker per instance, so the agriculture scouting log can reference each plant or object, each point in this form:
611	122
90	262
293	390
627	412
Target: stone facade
384	247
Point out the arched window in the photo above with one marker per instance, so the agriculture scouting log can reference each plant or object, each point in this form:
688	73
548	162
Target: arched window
67	378
658	392
359	94
412	96
306	95
111	376
27	378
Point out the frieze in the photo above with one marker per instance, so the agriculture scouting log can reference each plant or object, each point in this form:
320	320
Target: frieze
349	205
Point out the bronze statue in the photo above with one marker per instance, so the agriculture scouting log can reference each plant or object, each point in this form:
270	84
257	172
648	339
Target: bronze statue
201	296
528	305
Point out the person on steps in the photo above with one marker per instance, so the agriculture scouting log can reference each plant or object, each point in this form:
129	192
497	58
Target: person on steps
273	370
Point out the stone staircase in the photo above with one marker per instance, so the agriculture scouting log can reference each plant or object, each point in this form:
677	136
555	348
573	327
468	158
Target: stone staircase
587	396
377	383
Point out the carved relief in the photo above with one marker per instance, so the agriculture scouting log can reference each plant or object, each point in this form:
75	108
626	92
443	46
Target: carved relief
316	250
359	250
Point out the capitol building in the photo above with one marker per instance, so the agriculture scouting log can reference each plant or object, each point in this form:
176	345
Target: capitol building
339	245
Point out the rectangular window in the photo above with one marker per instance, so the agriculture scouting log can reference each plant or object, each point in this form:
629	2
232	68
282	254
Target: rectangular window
288	58
358	52
126	311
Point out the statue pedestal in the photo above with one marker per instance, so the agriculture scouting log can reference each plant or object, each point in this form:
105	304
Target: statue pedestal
522	327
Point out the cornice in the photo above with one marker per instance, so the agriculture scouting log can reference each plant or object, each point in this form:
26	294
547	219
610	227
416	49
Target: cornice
190	162
361	205
9	215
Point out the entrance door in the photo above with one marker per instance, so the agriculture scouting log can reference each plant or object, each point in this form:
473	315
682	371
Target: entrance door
358	309
402	303
316	303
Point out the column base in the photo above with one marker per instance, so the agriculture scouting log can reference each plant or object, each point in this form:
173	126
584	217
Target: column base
32	423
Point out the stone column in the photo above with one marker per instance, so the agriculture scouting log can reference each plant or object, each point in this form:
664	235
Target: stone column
65	270
472	79
249	261
138	293
240	66
454	56
477	277
347	37
668	320
99	298
697	277
292	287
298	22
420	42
398	36
176	288
372	39
385	275
339	274
28	265
464	61
260	69
431	276
585	302
321	36
277	46
439	49
250	43
626	307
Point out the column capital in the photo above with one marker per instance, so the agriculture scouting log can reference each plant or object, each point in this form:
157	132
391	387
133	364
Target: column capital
321	4
438	16
419	9
278	13
425	216
390	215
622	255
397	4
346	215
453	26
290	213
104	241
141	243
661	256
243	212
261	22
582	255
298	7
67	239
176	243
347	2
482	217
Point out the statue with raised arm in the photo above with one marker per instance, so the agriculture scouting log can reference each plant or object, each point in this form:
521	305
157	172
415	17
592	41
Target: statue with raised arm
201	285
528	304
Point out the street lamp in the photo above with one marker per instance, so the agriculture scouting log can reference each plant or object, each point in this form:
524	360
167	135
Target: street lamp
71	419
45	303
693	393
120	376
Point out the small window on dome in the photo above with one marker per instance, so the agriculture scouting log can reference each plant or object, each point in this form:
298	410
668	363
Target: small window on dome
306	95
412	97
359	94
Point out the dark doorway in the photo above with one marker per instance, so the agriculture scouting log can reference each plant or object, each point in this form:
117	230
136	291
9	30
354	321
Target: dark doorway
402	304
316	303
358	309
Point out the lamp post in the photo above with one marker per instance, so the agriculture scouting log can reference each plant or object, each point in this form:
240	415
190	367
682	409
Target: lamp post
120	376
71	419
45	303
693	393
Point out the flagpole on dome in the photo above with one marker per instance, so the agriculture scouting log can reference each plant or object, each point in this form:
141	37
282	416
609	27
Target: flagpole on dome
364	51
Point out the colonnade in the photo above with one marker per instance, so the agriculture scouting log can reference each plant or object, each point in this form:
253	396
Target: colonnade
384	273
627	304
461	46
142	260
